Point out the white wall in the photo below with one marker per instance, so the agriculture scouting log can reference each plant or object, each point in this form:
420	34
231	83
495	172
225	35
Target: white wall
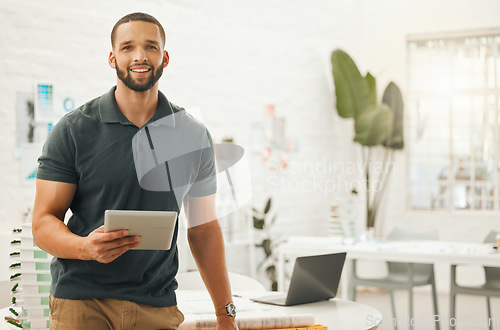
231	59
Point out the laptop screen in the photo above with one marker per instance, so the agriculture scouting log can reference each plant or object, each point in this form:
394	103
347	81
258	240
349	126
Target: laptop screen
315	278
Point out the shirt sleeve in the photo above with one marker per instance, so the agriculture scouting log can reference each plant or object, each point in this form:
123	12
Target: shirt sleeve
57	162
205	183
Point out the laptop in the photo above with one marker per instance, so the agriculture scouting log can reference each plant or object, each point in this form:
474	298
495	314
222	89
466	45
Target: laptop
314	278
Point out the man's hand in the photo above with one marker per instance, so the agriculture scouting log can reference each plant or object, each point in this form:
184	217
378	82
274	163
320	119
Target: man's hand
105	247
225	322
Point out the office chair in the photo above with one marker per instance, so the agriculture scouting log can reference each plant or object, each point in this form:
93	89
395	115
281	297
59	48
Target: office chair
401	275
491	287
192	281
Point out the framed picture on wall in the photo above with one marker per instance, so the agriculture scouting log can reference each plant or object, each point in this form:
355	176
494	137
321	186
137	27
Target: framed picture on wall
44	102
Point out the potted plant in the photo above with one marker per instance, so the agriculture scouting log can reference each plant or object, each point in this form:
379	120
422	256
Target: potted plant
375	123
268	244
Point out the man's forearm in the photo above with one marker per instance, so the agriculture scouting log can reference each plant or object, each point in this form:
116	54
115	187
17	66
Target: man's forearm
207	247
52	235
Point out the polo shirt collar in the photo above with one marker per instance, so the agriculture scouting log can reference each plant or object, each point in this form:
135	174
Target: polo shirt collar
110	113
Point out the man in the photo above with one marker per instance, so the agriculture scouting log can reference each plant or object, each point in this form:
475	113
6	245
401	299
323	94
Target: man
89	164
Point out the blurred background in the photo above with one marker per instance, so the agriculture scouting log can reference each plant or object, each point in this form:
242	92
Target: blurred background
260	71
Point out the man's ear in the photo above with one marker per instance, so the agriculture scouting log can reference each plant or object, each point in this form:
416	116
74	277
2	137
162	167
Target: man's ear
112	60
166	58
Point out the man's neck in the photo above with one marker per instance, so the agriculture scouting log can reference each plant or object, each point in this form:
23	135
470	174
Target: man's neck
138	107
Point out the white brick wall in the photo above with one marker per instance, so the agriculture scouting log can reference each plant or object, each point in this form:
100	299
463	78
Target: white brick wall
231	58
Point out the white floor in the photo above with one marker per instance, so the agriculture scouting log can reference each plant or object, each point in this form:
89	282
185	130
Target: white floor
471	311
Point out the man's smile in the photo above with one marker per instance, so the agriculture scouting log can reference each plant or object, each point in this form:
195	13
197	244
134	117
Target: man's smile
140	70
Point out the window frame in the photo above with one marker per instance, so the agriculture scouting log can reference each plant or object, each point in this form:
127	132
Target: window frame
485	92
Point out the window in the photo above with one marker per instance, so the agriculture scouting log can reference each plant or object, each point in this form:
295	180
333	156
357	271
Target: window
453	109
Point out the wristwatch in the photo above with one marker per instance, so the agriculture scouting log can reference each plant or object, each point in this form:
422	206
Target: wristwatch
229	310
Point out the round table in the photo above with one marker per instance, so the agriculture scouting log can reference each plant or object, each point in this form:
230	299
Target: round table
334	313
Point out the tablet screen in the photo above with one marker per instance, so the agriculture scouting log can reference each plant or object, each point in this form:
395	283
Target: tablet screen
156	228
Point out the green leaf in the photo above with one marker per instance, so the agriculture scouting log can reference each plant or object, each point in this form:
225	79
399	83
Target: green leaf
372	89
372	126
266	244
271	272
354	93
13	311
394	100
268	206
258	223
15	276
16	324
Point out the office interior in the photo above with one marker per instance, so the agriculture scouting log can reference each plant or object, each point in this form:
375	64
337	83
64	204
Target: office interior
259	75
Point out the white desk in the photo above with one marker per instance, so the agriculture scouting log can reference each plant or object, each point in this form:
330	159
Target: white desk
452	253
334	313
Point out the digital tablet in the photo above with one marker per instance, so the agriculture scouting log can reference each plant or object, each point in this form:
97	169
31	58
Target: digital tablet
156	228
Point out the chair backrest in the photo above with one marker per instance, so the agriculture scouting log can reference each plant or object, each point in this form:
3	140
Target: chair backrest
401	234
492	274
192	281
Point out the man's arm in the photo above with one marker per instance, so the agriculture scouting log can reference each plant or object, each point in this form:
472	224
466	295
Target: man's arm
52	200
207	247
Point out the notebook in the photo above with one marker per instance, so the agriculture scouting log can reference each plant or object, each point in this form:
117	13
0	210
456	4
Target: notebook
314	278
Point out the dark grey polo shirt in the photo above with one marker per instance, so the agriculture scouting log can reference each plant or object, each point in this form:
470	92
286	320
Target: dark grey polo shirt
93	147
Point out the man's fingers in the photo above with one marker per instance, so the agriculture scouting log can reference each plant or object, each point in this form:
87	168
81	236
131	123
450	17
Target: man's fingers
107	246
129	240
122	242
116	252
113	235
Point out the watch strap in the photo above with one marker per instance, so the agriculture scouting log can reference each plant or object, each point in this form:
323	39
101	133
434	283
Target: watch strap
221	311
224	310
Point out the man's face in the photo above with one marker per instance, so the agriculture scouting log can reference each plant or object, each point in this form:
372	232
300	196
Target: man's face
138	55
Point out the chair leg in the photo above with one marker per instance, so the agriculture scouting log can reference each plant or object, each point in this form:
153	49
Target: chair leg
489	312
453	299
434	300
410	304
393	306
453	296
352	287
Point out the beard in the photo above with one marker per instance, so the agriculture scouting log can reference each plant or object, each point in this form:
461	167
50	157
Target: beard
126	78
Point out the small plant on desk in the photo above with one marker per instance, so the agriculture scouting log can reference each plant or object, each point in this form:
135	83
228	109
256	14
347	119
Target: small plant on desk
268	244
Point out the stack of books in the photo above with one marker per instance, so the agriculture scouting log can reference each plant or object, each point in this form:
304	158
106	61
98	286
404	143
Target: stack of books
30	276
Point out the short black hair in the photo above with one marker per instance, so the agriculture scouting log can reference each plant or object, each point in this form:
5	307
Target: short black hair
137	17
